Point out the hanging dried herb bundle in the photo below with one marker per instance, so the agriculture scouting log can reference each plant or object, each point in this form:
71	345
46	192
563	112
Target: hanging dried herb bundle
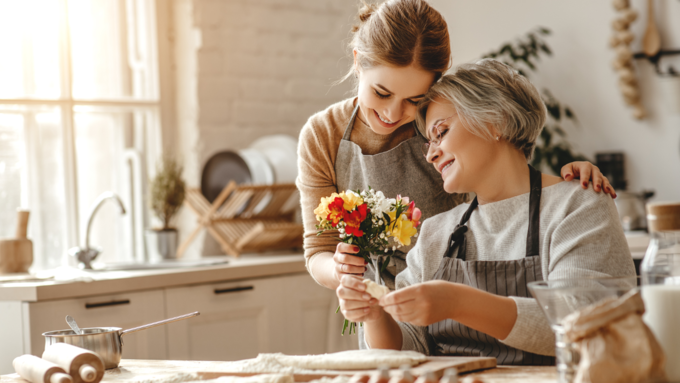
167	191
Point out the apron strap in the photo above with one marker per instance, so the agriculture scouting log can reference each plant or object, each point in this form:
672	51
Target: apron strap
534	212
533	232
350	125
458	235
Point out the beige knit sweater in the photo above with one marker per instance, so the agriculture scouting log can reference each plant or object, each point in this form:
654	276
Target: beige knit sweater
317	149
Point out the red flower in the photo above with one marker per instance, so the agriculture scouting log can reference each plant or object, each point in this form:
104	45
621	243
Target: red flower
354	219
336	211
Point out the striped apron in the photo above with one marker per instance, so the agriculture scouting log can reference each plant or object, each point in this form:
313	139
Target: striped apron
401	170
505	278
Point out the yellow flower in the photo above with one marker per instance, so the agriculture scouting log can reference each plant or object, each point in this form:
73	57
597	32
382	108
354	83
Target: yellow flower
322	210
403	230
351	200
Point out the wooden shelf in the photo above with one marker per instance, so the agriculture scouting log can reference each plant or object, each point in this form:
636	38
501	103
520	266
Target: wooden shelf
247	218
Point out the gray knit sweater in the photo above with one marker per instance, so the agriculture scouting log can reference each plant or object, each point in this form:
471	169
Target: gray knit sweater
580	235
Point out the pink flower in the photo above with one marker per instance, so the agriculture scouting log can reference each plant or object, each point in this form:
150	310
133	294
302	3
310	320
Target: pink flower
403	200
413	214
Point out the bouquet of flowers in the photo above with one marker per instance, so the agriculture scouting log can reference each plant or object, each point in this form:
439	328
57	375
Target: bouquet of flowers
367	219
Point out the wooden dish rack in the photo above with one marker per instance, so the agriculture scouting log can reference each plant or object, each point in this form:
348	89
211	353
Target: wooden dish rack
239	223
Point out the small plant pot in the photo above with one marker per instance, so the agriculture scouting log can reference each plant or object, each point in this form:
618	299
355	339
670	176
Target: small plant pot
161	244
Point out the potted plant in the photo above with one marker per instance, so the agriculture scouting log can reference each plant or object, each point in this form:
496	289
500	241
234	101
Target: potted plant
167	196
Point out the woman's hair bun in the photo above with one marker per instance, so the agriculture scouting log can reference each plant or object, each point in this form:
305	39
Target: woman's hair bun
365	13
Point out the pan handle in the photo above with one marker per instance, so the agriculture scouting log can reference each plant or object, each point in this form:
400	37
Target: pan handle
154	324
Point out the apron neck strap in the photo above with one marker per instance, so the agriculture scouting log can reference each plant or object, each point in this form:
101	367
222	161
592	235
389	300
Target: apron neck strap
350	125
533	232
534	212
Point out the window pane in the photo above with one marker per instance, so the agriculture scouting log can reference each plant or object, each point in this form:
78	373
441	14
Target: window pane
111	54
32	177
29	53
108	151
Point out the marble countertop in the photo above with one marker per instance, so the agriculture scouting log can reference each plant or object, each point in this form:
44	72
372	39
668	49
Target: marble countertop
73	283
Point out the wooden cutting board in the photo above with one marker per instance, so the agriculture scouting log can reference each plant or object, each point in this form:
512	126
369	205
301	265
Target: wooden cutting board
436	364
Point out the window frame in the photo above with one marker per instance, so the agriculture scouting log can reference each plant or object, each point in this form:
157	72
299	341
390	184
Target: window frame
137	11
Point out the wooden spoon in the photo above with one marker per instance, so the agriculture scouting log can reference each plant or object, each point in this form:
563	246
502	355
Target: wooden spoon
651	42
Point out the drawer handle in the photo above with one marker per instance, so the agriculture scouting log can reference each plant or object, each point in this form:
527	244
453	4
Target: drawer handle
234	289
105	304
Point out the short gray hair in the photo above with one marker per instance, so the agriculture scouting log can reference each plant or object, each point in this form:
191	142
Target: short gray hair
488	94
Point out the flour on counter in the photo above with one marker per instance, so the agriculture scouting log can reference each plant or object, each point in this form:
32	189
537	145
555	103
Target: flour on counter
352	360
175	377
310	364
264	378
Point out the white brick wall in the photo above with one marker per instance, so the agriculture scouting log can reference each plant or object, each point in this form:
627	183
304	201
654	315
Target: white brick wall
264	66
249	68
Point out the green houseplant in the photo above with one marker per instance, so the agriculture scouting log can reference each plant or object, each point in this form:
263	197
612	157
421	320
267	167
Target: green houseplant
166	198
552	148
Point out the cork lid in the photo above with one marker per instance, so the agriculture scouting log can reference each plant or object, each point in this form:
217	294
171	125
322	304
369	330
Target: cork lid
663	216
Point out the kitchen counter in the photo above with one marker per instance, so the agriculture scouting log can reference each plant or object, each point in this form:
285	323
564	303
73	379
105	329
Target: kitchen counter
135	370
112	282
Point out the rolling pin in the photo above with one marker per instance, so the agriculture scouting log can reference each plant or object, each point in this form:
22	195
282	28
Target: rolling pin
83	365
16	254
37	370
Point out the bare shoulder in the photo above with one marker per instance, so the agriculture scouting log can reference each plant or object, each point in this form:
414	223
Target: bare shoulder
548	180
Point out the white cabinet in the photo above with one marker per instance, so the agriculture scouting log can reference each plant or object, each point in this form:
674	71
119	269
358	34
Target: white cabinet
241	319
125	310
235	320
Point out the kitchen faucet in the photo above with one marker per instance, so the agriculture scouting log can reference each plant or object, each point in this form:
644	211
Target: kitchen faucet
86	255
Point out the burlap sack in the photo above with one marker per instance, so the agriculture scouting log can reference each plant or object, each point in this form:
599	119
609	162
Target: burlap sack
615	344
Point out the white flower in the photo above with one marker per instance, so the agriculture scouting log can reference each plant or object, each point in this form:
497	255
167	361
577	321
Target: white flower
382	235
381	222
386	250
341	230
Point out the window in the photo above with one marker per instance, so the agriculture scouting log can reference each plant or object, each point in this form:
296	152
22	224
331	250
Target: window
79	115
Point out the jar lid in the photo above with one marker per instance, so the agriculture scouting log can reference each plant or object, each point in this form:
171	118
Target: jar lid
663	216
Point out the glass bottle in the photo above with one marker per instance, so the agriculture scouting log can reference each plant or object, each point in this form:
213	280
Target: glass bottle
660	275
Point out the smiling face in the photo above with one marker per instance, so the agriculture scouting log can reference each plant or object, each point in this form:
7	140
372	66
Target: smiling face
388	95
461	157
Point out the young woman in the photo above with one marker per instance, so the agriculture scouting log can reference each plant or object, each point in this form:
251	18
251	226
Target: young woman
400	49
464	291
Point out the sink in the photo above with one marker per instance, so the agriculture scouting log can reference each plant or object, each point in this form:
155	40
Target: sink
165	264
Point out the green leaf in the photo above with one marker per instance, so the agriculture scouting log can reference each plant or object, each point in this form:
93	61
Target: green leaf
554	110
545	49
385	263
570	114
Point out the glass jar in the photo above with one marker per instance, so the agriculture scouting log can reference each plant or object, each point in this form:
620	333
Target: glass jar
660	272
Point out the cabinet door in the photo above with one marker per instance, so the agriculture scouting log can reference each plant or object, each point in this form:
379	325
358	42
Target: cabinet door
290	314
120	310
238	320
310	310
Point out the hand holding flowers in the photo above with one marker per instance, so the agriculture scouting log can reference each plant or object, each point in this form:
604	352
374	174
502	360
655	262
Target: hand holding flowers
375	224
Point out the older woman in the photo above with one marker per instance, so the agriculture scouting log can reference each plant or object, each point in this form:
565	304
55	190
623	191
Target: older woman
464	291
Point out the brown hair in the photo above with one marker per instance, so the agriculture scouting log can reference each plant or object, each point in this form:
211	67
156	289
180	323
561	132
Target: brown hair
401	33
490	94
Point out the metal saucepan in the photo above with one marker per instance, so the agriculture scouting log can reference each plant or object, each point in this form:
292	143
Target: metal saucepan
107	342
